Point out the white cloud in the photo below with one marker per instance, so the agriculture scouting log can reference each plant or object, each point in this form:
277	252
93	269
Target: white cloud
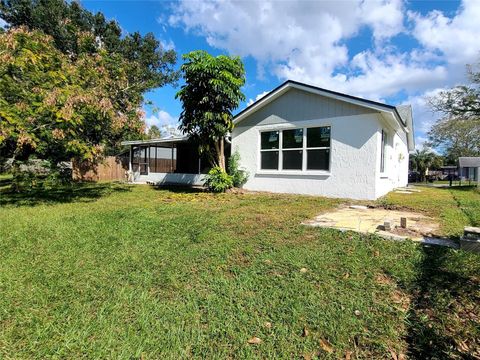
167	123
307	41
456	38
385	18
420	142
161	118
167	44
258	97
378	77
299	40
273	31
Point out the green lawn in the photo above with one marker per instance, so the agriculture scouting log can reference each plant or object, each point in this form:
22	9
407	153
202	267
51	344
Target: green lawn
454	207
117	271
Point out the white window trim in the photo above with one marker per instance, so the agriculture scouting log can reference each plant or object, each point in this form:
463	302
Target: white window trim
384	149
304	148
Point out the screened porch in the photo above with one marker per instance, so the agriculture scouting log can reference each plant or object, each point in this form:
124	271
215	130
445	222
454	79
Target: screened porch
166	161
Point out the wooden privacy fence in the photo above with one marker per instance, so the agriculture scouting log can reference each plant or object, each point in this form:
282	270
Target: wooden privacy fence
112	168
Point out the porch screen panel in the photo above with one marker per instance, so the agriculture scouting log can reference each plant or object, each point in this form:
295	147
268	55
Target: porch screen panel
153	159
135	158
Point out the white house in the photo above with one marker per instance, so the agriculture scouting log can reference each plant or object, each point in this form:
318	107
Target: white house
469	169
303	139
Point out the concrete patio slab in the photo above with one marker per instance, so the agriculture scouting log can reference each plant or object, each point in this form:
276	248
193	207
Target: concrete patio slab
371	220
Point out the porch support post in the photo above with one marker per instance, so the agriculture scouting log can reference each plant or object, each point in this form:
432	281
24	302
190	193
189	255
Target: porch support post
171	160
130	159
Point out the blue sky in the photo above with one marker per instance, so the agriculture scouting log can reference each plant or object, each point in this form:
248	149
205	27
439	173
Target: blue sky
388	50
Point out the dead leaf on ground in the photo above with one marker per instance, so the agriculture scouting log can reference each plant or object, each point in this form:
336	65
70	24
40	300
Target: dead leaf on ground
402	299
462	346
346	275
307	356
267	324
348	355
254	340
376	253
383	279
394	355
326	346
305	332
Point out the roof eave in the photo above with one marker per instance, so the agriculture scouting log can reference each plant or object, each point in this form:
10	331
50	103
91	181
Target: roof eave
153	141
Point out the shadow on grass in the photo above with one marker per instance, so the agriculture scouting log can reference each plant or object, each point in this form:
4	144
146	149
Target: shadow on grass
446	186
76	192
441	295
180	188
5	182
465	188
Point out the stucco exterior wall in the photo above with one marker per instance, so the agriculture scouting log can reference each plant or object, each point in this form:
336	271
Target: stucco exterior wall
354	154
396	164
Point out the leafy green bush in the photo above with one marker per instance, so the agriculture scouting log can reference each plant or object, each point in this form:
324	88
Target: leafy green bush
238	175
37	173
218	180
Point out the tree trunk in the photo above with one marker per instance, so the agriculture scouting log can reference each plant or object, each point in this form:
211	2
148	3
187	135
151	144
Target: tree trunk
220	150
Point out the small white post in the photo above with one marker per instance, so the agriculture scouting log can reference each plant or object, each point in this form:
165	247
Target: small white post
130	159
171	162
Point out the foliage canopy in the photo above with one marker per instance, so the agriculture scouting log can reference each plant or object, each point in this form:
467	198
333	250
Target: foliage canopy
424	159
96	76
211	92
57	108
147	65
457	132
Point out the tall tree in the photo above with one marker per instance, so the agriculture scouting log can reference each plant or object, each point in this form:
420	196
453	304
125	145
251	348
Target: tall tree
423	160
154	132
457	132
211	92
57	108
145	64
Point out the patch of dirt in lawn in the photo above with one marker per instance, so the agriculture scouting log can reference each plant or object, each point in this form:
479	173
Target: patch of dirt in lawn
371	220
383	279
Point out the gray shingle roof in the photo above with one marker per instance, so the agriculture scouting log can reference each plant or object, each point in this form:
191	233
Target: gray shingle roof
469	161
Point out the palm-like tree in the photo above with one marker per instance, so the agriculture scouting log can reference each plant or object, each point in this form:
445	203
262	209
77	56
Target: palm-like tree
422	160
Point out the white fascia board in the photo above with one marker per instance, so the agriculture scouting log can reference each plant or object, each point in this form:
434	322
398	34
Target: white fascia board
153	141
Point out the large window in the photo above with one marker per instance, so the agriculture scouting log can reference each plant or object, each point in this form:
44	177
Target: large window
301	149
383	151
292	145
270	144
318	148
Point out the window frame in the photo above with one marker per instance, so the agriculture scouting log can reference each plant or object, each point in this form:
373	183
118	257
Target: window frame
304	149
280	139
383	151
282	149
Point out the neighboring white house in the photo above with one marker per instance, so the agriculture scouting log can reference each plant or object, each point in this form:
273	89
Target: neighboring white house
306	140
469	169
